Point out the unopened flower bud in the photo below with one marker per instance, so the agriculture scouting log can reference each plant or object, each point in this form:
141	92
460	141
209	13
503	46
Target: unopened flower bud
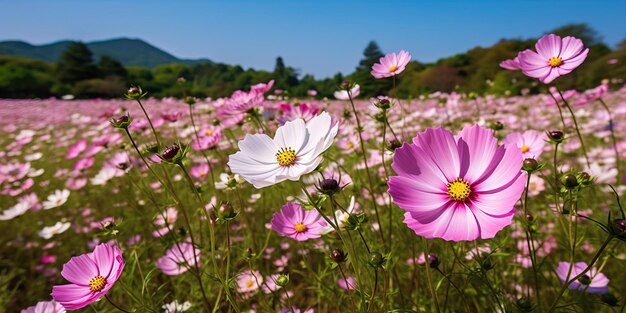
530	165
556	136
569	181
584	280
121	121
394	144
338	256
170	152
329	186
282	280
376	260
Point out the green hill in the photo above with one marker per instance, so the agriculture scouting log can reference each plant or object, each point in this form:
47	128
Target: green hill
130	52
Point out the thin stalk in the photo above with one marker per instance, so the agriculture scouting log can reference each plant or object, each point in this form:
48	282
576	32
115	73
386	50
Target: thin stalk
156	137
429	278
580	137
613	139
367	170
115	305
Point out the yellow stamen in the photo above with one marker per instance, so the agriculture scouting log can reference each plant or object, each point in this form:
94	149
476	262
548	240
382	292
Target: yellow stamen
525	148
299	228
459	189
393	68
249	283
556	61
97	283
209	132
286	157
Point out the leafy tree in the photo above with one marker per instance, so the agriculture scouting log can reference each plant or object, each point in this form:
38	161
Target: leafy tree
371	55
76	64
109	66
279	68
588	35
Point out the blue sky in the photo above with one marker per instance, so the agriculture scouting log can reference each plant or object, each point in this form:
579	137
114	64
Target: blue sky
319	37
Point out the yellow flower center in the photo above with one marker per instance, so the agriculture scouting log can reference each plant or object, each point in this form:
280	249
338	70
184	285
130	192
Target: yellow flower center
350	145
209	132
299	228
249	283
556	61
459	190
97	283
525	148
286	156
393	68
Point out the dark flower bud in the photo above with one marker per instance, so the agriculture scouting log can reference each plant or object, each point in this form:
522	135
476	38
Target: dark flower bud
394	144
121	121
584	280
569	181
226	212
170	152
523	304
497	125
190	100
249	254
329	186
618	228
530	165
610	299
135	93
530	217
376	260
487	264
347	114
182	232
556	136
433	260
345	85
338	256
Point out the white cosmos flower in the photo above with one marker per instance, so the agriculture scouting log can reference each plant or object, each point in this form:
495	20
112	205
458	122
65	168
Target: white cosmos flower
58	198
49	231
14	211
295	150
175	307
343	94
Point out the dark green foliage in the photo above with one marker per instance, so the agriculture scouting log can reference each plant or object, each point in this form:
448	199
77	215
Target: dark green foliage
76	64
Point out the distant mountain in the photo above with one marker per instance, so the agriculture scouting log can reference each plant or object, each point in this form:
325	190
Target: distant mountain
130	52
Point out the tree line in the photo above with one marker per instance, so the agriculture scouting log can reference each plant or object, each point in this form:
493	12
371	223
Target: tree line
476	70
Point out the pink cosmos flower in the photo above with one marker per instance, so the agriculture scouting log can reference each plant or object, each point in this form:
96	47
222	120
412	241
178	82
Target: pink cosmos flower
296	223
390	65
91	276
511	64
200	171
208	138
457	188
178	259
262	87
45	307
302	111
531	143
554	57
165	221
248	282
76	149
598	283
348	284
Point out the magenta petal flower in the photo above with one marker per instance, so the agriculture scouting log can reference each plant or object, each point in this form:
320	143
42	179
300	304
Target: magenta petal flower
554	57
457	188
531	143
390	65
178	259
297	223
91	276
45	307
597	282
511	64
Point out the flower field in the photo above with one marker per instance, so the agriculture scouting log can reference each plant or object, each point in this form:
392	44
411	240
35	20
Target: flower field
260	203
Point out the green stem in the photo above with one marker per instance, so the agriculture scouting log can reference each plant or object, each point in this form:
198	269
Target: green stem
429	278
580	137
613	139
156	137
115	305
